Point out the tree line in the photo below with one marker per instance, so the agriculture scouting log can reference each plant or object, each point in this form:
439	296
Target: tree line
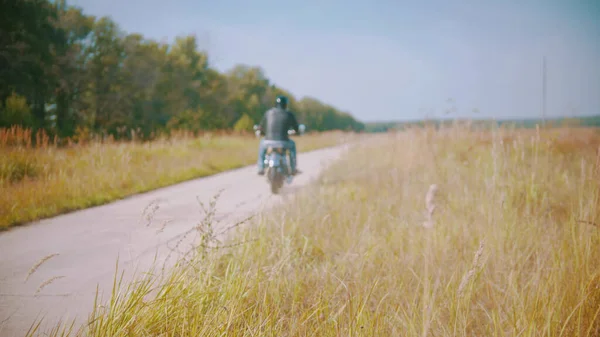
64	71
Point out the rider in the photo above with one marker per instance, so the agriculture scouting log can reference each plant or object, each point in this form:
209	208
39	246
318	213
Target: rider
274	126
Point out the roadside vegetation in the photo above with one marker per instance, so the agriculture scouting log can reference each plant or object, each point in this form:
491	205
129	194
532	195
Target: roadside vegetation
45	180
449	232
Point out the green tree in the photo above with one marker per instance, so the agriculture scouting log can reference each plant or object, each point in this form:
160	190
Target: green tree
27	38
70	70
15	111
106	76
245	123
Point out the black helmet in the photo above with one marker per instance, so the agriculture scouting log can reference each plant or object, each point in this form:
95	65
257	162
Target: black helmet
281	101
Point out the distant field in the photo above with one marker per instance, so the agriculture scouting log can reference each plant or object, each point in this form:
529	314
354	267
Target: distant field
590	121
505	244
42	181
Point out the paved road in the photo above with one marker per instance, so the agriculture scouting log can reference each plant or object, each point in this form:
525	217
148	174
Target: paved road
89	241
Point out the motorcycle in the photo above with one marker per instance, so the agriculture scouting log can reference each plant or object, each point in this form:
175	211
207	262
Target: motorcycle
277	168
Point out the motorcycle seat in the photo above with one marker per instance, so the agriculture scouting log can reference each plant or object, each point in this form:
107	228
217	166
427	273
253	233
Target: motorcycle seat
276	148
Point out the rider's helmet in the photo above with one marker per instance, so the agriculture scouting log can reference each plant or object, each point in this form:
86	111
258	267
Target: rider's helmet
281	102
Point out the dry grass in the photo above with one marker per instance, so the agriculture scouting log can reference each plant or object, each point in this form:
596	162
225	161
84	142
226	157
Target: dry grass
46	180
39	264
511	250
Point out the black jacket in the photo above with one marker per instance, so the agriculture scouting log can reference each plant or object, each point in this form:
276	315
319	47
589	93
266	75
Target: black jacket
276	122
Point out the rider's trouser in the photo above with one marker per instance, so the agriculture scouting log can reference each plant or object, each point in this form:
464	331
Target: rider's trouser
262	151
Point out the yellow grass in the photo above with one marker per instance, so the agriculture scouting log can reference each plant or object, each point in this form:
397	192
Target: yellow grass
45	180
512	248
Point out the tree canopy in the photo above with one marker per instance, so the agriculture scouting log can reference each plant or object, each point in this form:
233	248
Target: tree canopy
63	70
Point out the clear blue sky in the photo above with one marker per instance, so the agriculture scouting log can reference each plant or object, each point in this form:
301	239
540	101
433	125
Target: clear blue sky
395	60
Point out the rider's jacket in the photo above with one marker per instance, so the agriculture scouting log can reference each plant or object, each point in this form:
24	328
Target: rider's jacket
276	122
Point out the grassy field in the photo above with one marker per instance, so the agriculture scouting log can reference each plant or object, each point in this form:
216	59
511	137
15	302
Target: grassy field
420	233
46	180
582	121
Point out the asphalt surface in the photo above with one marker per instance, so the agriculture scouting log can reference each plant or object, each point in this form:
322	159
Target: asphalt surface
89	242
